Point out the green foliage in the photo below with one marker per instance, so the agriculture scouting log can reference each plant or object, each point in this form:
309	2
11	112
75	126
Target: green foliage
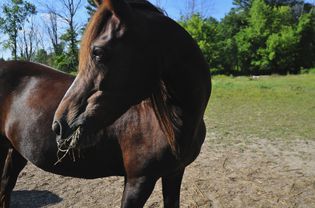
242	4
306	48
14	15
230	25
260	17
281	50
70	37
284	2
308	71
203	31
65	62
257	37
268	44
41	56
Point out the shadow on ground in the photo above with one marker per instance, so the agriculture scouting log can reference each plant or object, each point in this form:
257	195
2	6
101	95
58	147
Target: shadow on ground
33	199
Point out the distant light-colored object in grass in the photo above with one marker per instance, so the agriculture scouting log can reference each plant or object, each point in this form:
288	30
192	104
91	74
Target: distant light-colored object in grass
254	77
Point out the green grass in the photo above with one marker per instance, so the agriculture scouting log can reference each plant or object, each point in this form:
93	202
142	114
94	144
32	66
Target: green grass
308	71
311	71
269	107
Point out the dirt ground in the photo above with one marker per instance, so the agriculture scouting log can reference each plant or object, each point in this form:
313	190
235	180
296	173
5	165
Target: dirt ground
242	173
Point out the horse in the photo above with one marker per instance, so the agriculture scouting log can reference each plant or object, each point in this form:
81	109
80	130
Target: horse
135	109
29	96
145	79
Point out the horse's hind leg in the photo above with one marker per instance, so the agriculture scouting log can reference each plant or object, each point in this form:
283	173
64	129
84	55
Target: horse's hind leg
12	166
4	147
137	191
171	189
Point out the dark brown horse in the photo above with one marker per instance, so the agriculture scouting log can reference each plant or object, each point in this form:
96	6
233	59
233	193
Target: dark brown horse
135	109
29	96
144	78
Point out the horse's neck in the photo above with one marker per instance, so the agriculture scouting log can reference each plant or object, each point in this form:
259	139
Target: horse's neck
189	85
184	69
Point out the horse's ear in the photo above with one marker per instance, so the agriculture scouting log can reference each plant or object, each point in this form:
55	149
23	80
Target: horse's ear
119	8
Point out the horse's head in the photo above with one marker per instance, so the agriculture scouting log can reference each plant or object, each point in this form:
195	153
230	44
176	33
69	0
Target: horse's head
118	68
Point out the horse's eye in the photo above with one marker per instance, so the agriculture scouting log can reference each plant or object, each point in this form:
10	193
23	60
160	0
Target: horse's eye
101	54
98	52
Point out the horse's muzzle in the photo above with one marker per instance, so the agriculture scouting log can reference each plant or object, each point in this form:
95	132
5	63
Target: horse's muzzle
57	128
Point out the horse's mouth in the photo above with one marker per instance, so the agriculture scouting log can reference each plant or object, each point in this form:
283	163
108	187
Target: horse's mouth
71	142
69	145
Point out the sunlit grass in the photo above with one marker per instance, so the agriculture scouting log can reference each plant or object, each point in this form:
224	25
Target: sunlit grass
271	107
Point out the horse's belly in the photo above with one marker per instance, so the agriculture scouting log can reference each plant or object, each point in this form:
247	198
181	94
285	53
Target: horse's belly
101	161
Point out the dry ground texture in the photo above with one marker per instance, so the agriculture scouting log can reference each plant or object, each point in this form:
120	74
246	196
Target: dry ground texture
259	152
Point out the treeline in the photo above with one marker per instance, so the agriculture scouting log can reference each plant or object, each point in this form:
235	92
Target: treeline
50	36
257	37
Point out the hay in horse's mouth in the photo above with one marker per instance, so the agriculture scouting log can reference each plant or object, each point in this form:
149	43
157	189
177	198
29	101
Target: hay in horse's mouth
67	145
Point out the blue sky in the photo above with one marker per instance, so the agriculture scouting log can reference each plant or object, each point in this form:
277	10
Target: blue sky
214	8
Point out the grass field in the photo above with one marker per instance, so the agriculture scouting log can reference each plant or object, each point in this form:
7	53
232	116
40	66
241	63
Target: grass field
269	107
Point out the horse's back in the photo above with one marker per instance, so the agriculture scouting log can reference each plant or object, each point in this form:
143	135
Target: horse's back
18	69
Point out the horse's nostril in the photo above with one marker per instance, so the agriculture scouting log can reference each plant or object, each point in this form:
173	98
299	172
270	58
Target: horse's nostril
56	128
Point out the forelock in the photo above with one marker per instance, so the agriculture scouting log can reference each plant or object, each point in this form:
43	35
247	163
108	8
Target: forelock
93	29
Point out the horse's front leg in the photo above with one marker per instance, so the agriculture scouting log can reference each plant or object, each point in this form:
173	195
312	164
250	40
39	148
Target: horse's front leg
137	191
13	165
171	189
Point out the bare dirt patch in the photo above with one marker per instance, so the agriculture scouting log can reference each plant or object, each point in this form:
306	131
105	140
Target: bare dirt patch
241	173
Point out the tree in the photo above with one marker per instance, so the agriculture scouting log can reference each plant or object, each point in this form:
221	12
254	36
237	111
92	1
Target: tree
68	60
191	7
281	51
204	31
43	57
91	7
284	2
229	26
28	41
251	39
242	4
269	43
306	48
52	28
256	37
15	14
71	34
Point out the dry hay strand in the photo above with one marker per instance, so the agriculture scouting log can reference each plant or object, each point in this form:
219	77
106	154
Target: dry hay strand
73	141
